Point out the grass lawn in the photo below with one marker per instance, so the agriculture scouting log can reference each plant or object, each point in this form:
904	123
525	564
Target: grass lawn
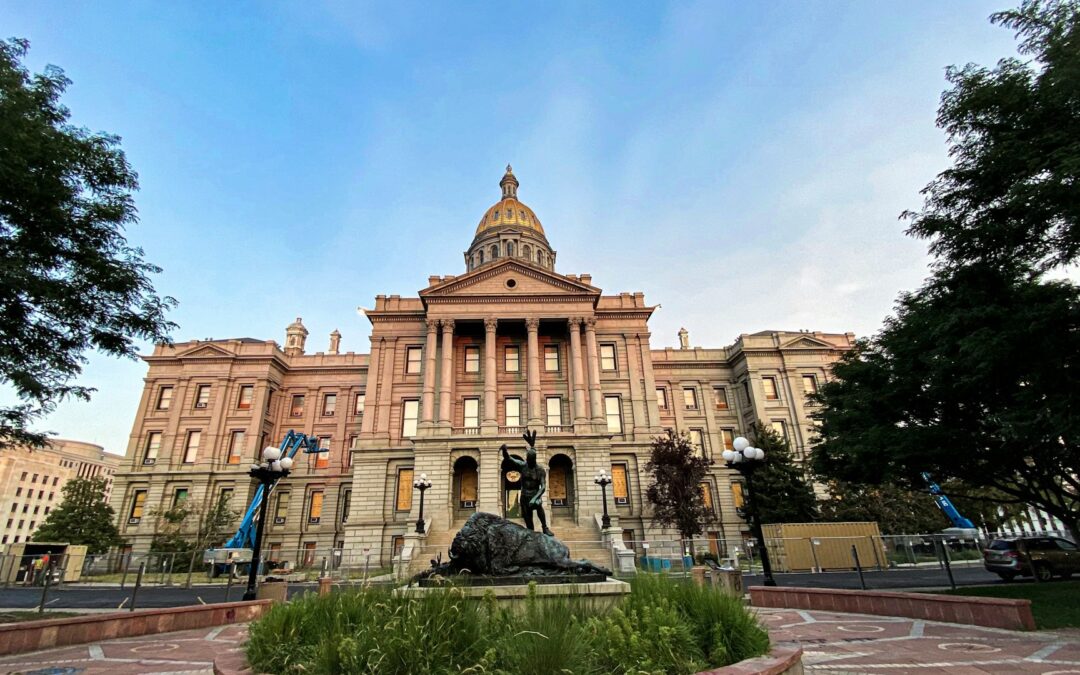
1055	604
32	615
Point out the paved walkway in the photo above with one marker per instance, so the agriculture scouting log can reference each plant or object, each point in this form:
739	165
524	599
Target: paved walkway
833	643
837	644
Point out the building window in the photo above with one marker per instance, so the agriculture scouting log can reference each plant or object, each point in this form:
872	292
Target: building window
513	412
727	436
554	411
472	359
322	459
809	385
697	439
153	446
297	408
23	476
329	405
202	396
179	496
281	512
247	393
607	357
315	502
720	398
613	412
397	544
191	448
404	490
512	360
472	413
164	399
780	428
138	502
236	447
768	385
410	411
706	495
689	395
620	490
358	408
413	360
18	492
738	497
551	358
346	502
661	398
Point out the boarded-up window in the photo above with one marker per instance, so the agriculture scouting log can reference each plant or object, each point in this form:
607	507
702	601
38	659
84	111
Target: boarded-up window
619	488
706	495
138	501
557	485
236	447
737	495
315	503
728	436
322	459
404	489
468	487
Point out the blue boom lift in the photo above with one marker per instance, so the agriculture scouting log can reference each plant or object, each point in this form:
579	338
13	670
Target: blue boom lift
960	524
238	549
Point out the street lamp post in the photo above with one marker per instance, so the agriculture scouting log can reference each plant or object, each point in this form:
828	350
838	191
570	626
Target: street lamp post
603	480
422	484
273	468
746	459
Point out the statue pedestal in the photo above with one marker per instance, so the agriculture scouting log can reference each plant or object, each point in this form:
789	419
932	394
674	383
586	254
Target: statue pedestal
598	594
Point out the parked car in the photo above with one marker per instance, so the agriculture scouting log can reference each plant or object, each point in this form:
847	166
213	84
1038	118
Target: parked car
1050	556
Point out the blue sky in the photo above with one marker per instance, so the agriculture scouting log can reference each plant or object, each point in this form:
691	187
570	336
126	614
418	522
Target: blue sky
743	164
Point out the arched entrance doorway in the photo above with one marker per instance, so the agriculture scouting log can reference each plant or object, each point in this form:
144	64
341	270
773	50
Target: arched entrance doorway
466	480
561	483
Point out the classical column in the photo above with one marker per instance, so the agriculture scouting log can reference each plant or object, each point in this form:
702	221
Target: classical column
428	405
596	401
533	326
650	382
490	324
574	324
447	376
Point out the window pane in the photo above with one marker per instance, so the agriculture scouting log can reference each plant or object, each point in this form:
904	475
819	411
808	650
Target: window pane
513	412
297	409
728	436
247	392
192	448
329	404
697	439
202	396
346	502
472	412
404	489
554	411
619	489
322	459
165	398
614	414
809	384
513	360
607	357
768	384
661	398
551	358
410	411
153	445
689	398
137	503
720	395
360	400
413	357
282	510
236	447
472	359
780	428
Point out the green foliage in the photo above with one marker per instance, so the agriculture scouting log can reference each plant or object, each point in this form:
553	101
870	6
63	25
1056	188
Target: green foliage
895	509
1014	136
677	472
82	517
662	627
782	493
70	282
186	528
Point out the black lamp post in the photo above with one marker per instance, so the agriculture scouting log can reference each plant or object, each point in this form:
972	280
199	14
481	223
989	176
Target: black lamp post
604	480
746	460
422	484
273	468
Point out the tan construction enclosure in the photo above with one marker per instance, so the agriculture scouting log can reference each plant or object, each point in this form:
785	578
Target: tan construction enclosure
804	547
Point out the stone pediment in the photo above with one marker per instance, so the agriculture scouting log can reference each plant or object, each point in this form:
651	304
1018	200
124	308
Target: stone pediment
807	343
205	351
510	278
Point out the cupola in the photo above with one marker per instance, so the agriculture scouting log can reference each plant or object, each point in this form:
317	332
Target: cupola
509	229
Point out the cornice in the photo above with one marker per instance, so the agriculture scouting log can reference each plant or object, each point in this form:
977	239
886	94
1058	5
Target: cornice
503	299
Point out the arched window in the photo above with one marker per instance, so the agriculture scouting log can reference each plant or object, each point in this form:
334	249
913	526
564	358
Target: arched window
481	256
494	251
509	249
526	252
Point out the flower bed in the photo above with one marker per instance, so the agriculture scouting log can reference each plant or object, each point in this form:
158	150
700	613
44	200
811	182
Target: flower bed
663	626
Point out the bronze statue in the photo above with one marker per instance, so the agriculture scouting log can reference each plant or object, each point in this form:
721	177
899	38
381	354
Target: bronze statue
533	483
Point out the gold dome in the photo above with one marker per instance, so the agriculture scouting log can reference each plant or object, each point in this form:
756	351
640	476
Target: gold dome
509	212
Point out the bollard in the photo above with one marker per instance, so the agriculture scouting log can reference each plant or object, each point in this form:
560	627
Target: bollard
228	584
326	585
190	569
325	566
45	590
138	583
127	566
945	561
858	566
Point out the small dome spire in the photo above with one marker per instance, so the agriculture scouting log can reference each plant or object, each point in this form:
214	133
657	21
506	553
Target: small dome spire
509	184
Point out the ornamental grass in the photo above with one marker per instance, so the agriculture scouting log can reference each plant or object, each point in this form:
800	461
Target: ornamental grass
664	626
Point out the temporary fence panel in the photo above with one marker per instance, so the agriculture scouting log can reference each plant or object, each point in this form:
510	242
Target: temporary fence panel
803	547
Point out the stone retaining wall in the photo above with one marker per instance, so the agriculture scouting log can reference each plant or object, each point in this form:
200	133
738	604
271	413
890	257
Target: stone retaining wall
779	661
990	612
34	635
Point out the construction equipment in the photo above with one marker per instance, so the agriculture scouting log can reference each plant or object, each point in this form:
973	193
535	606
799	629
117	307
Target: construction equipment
960	525
238	549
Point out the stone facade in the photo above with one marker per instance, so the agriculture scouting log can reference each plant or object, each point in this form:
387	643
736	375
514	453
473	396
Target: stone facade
467	364
32	480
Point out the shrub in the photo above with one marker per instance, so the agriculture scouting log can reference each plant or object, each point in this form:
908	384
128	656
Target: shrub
663	626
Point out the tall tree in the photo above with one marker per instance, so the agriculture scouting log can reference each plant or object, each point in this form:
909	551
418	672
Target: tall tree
69	281
1014	136
677	471
187	528
894	509
783	495
82	517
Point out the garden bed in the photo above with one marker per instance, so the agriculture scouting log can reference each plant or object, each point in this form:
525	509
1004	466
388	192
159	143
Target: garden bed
663	626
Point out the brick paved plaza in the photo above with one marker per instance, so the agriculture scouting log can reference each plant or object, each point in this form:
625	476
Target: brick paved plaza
832	643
